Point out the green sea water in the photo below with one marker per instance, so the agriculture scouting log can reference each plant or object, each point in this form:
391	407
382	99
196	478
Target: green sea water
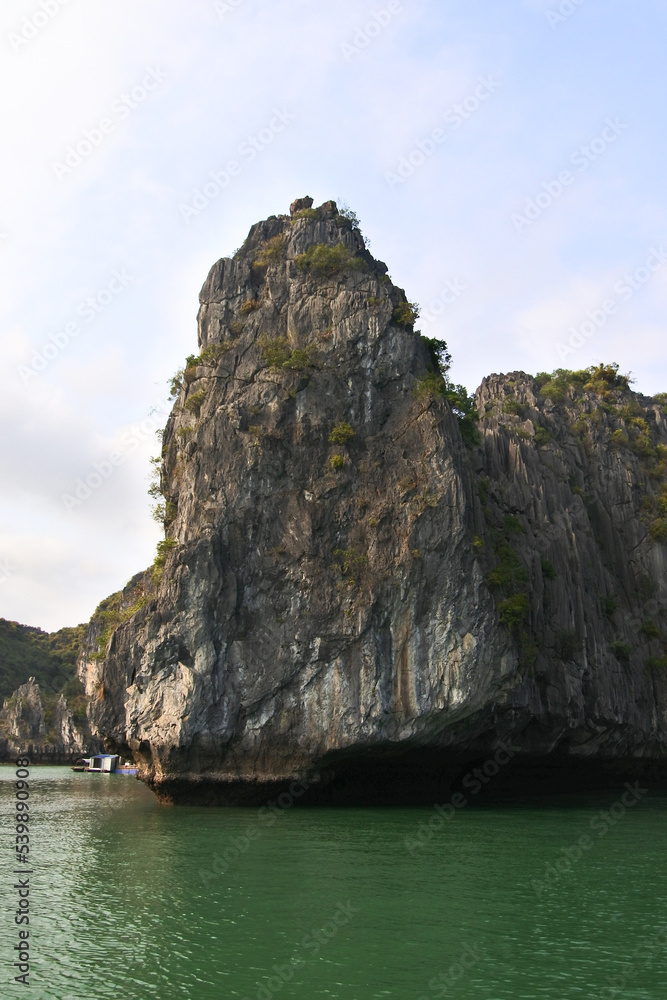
136	901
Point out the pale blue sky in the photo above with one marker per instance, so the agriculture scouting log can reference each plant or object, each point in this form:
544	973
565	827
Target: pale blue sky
340	112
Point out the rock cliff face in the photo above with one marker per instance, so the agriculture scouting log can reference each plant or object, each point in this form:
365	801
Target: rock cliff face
25	729
354	592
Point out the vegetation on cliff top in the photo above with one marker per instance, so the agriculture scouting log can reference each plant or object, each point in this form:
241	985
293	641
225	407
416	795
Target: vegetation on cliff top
601	379
113	611
632	426
324	261
48	657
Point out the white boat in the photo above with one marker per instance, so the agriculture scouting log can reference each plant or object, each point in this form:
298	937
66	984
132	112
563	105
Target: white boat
104	763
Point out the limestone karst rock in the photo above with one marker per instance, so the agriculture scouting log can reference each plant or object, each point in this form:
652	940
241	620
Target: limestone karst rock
23	713
354	592
46	737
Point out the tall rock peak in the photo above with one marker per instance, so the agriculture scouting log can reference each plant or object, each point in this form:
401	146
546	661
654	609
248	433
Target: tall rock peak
354	593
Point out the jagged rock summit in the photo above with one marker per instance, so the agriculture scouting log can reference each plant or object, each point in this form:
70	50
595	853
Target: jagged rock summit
364	584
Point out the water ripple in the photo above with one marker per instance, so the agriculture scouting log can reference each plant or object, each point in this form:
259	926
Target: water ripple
137	901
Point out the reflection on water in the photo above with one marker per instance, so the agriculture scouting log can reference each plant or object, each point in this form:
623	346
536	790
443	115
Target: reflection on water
136	901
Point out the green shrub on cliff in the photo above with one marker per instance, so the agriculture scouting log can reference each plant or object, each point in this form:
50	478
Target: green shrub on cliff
170	511
305	213
601	379
324	261
189	374
548	569
621	650
429	385
650	629
542	436
508	578
658	529
345	212
278	353
509	572
193	402
349	559
249	306
299	359
163	548
512	611
513	407
115	610
619	438
656	511
555	386
441	359
270	252
432	384
275	351
176	383
609	605
406	314
341	433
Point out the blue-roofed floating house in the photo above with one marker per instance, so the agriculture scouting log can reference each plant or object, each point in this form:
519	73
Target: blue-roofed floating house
104	762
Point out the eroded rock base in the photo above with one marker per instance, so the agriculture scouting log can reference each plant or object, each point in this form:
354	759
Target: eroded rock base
422	778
